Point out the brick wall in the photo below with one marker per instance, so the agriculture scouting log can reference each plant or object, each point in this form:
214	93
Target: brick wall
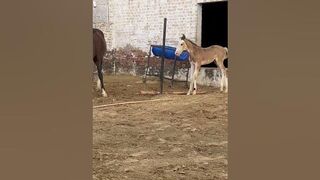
134	61
139	23
130	60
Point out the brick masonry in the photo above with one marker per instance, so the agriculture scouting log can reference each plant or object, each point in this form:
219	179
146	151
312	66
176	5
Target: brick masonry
130	26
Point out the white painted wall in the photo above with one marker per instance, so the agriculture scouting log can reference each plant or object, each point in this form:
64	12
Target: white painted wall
140	22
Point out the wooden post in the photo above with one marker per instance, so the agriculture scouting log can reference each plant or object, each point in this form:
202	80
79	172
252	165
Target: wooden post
163	53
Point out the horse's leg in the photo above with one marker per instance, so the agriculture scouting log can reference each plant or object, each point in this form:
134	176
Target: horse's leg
226	82
222	70
98	85
195	76
99	68
222	80
192	74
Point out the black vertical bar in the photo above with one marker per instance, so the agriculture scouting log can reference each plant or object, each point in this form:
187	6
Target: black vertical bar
163	52
148	63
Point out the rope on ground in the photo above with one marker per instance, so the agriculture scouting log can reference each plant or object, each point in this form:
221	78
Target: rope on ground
173	93
130	102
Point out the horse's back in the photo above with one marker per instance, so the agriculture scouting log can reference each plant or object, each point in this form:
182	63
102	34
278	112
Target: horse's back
214	47
98	32
216	50
99	44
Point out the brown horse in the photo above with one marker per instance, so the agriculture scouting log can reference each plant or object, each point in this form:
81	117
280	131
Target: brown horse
202	56
99	51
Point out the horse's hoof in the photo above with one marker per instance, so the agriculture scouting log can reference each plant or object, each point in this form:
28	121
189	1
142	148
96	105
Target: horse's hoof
194	93
188	94
104	94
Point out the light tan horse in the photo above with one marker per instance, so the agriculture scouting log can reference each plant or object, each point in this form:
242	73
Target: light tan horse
201	56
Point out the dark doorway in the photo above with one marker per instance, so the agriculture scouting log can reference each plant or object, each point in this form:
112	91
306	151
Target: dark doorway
215	26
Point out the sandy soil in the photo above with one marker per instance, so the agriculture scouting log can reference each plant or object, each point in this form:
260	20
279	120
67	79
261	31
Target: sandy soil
184	137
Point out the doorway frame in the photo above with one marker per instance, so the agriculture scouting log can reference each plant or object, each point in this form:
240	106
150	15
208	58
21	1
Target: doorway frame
199	18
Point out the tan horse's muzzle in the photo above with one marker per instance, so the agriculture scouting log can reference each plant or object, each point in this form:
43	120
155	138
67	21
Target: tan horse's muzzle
177	53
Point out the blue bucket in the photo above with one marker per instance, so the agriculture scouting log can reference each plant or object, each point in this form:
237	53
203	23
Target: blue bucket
169	53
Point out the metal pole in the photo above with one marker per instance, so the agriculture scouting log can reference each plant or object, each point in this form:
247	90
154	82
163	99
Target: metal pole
163	52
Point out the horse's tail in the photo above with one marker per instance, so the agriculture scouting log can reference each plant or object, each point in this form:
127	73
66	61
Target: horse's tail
226	51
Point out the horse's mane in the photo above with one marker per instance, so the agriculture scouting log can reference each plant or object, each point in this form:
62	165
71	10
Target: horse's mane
193	43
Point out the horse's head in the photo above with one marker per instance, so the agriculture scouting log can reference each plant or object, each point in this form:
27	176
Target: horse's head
182	46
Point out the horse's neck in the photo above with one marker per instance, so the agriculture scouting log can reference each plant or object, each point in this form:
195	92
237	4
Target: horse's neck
193	49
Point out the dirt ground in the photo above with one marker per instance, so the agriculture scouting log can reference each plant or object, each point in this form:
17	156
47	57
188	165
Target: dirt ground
183	137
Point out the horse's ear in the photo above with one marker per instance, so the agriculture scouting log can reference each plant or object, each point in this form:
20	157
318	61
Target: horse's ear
183	37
